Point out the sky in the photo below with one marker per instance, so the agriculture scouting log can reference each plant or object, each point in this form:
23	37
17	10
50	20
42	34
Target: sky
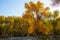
16	7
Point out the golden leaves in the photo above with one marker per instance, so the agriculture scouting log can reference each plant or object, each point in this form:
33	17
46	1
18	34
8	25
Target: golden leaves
28	14
30	30
26	6
39	9
3	18
47	8
27	23
39	4
45	11
12	21
33	6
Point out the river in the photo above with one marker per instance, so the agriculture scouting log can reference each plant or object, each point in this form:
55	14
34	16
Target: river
32	38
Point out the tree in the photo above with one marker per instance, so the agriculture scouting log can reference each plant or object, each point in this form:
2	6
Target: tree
38	9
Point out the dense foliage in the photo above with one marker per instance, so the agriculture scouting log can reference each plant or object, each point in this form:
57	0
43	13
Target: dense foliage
36	20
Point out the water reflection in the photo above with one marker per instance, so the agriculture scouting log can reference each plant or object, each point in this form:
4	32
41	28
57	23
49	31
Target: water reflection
33	38
19	38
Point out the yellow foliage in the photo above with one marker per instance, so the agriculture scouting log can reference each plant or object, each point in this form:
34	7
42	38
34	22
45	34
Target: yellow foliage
28	15
26	6
47	9
33	6
39	4
45	13
31	26
28	23
46	33
30	30
3	18
12	21
1	25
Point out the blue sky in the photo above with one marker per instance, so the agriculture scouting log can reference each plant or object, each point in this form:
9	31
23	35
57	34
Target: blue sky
16	7
11	7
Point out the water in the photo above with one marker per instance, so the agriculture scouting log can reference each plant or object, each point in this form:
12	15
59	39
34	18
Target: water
33	38
19	38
